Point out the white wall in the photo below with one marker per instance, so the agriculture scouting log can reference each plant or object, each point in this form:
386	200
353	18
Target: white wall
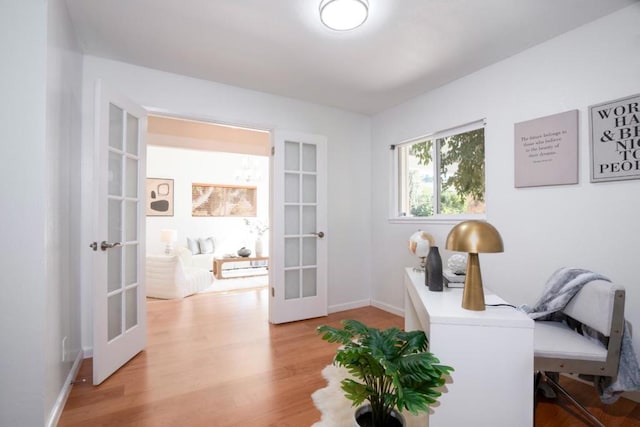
185	167
39	124
593	226
62	206
22	132
349	159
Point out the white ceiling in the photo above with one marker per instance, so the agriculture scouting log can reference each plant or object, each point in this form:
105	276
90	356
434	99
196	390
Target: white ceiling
405	48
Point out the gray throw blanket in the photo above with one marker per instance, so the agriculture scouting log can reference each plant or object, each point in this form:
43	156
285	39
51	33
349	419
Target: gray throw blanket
560	288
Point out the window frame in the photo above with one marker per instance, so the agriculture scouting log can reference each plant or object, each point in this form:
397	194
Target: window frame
437	218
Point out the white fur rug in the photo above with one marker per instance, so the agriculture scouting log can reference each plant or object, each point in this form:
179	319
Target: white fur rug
336	410
235	284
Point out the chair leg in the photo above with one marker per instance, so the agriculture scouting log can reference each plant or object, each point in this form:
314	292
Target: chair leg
536	383
543	387
584	410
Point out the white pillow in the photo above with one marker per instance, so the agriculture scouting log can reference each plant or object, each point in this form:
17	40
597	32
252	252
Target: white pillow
193	246
206	245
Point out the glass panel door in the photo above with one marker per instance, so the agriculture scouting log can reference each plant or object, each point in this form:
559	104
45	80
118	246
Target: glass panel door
300	206
122	259
119	312
299	290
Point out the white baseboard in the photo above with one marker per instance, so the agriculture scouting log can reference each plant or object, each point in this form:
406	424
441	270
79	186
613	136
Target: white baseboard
349	306
388	308
56	411
365	303
88	352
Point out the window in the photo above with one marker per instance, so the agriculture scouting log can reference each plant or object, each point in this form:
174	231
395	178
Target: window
441	174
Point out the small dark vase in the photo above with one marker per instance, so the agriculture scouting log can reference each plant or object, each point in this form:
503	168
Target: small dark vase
433	270
244	252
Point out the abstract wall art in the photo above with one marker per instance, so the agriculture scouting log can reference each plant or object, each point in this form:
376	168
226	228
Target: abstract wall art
223	200
159	196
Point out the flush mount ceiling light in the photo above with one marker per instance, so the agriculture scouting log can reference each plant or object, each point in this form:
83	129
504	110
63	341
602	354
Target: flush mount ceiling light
343	15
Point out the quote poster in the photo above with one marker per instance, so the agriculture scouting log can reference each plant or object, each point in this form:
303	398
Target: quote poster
546	150
615	140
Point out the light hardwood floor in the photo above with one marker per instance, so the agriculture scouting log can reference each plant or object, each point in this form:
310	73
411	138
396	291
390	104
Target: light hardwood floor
214	360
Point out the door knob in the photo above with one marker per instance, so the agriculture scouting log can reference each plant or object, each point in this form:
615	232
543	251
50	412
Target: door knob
106	245
320	234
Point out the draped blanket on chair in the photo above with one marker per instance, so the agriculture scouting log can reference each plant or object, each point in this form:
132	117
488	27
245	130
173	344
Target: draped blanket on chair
563	285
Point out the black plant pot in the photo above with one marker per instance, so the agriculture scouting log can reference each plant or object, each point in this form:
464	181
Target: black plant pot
363	418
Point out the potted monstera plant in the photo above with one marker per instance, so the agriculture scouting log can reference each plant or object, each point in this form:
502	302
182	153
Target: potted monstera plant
392	370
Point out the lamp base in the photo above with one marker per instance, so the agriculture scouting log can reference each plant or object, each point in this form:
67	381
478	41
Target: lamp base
473	294
423	263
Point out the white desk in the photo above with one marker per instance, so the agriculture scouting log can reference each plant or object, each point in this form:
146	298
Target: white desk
491	352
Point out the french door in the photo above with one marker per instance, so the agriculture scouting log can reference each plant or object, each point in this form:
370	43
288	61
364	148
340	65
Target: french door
119	318
298	276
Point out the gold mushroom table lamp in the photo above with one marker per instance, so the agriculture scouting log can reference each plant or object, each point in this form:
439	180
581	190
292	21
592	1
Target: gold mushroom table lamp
474	237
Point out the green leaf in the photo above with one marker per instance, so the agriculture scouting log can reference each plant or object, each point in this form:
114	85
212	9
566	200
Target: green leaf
358	328
331	334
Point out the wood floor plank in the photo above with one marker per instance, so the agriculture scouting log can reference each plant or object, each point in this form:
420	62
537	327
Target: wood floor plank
214	360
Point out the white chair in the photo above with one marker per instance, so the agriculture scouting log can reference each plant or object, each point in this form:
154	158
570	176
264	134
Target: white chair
174	276
561	349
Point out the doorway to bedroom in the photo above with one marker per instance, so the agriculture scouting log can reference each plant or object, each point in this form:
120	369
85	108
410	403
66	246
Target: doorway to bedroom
208	197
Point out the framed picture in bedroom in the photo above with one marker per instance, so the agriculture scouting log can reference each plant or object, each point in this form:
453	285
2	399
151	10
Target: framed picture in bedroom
546	150
615	139
159	195
223	200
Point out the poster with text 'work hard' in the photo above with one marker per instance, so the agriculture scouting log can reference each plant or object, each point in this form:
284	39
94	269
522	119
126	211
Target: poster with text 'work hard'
615	139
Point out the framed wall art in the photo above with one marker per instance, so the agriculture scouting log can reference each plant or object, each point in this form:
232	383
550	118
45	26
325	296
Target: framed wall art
159	195
223	200
546	150
615	139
